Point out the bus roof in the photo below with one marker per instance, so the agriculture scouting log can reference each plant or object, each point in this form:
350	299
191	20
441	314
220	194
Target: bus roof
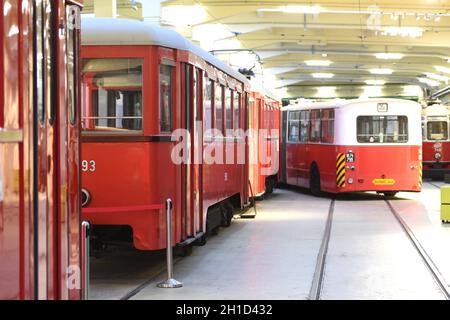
342	103
108	31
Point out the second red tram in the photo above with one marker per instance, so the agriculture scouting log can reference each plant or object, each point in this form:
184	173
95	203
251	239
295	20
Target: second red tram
353	145
161	119
39	150
436	143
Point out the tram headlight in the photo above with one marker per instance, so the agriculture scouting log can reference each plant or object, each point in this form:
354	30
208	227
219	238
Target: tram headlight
85	197
350	180
438	156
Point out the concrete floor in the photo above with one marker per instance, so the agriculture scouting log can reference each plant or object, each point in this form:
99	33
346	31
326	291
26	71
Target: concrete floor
274	256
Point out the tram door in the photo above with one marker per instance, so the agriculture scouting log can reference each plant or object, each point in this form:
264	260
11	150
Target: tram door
191	175
44	151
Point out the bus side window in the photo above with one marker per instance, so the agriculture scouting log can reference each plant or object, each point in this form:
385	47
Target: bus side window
328	126
315	124
304	126
294	126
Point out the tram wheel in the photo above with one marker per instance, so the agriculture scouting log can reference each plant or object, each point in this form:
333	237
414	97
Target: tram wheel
269	185
227	215
390	194
314	181
201	241
185	251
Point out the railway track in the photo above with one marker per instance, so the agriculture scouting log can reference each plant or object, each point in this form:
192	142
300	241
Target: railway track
318	279
131	293
317	283
437	276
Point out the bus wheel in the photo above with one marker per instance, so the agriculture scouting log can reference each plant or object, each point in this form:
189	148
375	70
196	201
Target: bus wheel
314	181
390	194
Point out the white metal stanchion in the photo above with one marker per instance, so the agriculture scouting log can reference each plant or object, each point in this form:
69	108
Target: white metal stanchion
85	243
170	282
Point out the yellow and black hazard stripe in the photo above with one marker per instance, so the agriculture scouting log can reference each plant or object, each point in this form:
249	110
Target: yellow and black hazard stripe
420	174
340	170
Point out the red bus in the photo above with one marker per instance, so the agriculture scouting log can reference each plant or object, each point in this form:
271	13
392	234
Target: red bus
39	150
137	92
353	145
436	143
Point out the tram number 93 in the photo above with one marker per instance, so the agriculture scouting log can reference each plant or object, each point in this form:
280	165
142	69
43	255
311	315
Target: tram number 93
88	166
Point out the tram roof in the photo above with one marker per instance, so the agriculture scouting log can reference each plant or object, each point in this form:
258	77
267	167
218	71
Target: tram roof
342	103
108	31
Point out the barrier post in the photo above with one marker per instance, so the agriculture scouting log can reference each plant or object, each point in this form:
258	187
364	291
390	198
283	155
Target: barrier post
85	243
170	282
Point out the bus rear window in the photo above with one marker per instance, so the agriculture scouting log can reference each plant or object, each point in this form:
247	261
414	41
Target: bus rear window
113	91
437	130
382	129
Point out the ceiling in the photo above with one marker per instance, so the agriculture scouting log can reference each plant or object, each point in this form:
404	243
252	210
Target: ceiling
282	35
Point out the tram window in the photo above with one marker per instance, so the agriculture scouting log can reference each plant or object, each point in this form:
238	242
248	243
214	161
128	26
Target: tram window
328	126
116	95
294	126
218	106
236	109
165	98
382	129
228	113
315	126
50	61
304	126
437	130
72	13
39	61
207	109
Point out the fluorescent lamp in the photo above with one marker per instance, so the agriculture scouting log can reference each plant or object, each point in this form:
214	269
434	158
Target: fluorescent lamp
326	92
302	9
436	77
381	71
322	75
318	63
413	32
389	56
375	82
431	83
373	91
442	69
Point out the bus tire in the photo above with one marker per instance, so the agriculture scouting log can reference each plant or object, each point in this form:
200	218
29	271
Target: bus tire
390	194
314	181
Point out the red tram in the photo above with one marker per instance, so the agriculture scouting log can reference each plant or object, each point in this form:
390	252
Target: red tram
39	150
436	143
142	85
353	145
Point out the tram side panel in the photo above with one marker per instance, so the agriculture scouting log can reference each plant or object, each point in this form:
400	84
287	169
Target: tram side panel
39	258
128	169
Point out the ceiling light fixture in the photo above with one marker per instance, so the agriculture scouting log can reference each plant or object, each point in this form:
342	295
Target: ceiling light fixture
322	75
375	82
389	56
429	82
381	71
442	69
413	32
294	9
437	77
318	63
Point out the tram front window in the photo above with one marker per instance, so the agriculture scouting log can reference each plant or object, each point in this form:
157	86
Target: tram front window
437	130
113	91
382	129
